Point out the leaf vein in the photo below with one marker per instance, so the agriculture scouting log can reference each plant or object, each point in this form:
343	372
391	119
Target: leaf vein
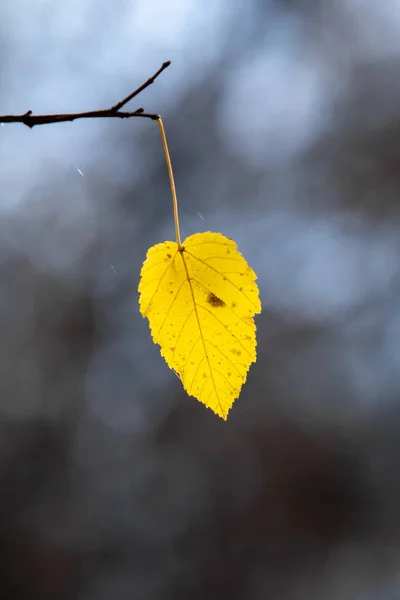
189	355
223	258
171	306
157	288
148	268
223	325
221	274
226	306
163	248
181	331
202	387
224	355
226	379
231	243
200	330
189	388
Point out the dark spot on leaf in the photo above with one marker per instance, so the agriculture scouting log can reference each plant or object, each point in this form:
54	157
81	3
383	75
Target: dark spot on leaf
214	300
236	352
169	255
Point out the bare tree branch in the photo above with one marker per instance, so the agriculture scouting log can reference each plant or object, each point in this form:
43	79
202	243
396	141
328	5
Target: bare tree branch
31	120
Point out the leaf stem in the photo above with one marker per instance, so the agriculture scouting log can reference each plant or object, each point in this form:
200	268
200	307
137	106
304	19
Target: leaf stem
171	180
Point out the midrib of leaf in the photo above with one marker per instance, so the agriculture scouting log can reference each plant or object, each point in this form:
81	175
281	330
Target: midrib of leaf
181	252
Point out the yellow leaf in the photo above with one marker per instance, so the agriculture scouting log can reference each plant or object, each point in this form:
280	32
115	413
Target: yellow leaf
200	299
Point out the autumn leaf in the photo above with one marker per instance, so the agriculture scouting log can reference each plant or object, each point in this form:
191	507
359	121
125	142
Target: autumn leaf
200	300
200	297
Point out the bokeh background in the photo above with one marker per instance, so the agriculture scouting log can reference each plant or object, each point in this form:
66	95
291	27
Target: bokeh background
283	118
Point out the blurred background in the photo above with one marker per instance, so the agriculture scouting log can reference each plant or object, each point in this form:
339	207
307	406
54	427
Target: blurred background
283	119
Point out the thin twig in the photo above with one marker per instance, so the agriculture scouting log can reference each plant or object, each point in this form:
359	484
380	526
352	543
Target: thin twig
31	120
144	85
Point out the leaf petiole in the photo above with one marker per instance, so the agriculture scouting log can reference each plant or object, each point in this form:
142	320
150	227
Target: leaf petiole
172	182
